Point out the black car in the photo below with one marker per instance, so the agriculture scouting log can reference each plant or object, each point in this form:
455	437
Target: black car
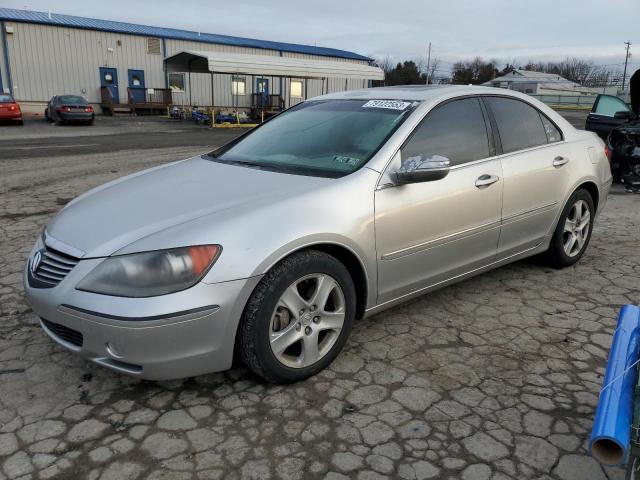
69	108
619	127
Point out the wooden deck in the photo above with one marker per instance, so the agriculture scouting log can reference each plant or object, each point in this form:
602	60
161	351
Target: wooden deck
141	101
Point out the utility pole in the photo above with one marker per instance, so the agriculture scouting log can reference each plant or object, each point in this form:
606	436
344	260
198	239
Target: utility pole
626	60
428	62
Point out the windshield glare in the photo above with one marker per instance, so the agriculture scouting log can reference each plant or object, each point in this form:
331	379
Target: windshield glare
330	138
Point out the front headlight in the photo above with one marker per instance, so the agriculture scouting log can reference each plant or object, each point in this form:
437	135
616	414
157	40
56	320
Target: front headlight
150	274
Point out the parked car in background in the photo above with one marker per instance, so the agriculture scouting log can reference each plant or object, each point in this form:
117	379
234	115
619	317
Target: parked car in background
615	122
69	109
10	109
338	208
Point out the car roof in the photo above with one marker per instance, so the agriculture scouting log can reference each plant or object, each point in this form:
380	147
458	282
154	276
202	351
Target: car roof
418	93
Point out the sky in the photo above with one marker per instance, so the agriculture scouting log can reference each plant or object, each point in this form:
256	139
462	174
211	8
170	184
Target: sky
506	30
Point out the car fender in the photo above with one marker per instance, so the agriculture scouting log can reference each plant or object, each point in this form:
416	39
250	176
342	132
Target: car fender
368	265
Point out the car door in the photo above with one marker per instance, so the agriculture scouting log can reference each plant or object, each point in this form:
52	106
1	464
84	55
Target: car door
602	118
535	165
429	232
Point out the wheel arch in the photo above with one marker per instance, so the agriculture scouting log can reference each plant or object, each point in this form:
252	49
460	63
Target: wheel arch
593	190
347	255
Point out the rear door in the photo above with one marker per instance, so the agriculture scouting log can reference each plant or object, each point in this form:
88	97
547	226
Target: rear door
602	119
427	233
535	164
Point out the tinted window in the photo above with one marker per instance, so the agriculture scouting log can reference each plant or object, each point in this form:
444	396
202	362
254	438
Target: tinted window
455	130
608	105
553	134
4	98
75	99
519	124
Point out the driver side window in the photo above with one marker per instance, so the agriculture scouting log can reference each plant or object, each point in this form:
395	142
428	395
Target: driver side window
455	130
608	105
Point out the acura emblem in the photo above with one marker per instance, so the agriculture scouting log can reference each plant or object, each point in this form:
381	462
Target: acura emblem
35	261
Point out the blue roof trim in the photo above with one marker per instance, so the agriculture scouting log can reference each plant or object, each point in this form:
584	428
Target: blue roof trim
56	19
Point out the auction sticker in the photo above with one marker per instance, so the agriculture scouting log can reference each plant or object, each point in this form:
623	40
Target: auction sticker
388	104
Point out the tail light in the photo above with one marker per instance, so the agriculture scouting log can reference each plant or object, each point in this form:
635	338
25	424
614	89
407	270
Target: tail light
89	109
607	152
64	109
12	108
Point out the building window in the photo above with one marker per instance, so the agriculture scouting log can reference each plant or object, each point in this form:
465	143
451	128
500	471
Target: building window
176	82
153	45
238	86
296	89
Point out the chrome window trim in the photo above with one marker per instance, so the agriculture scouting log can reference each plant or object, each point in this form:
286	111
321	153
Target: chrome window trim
479	96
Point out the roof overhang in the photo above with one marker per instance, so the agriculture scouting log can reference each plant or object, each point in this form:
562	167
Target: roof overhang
268	65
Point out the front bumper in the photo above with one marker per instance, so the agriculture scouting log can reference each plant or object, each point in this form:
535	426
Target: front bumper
170	336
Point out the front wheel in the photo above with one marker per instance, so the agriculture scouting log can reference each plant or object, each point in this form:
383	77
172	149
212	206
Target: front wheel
573	231
298	318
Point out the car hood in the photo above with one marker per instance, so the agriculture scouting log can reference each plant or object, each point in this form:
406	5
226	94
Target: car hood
108	218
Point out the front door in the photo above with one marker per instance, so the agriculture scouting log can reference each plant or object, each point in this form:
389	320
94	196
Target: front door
262	88
109	79
427	233
536	165
602	119
136	85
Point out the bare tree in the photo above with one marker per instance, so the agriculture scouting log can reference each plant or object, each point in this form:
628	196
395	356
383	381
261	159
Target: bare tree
385	63
433	68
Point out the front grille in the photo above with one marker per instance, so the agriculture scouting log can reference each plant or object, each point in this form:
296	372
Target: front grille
67	334
53	267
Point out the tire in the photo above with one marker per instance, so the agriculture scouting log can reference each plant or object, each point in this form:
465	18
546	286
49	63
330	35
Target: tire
558	255
266	316
20	122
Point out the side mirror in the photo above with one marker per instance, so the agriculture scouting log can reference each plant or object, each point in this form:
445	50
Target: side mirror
624	115
422	169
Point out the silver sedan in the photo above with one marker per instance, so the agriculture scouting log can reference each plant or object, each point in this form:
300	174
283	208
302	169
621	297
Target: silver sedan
271	246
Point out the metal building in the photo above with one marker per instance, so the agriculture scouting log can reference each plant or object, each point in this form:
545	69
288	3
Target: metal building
44	54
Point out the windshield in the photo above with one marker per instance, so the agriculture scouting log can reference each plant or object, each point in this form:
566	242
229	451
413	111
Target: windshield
324	138
4	98
72	99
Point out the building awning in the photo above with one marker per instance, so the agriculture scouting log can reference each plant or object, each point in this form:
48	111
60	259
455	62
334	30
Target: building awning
268	65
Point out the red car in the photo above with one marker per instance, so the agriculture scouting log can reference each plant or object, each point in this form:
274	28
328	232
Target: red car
9	109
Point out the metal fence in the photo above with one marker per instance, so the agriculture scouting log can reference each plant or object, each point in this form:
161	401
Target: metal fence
582	102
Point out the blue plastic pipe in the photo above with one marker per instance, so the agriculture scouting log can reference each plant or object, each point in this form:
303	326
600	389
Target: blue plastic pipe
611	432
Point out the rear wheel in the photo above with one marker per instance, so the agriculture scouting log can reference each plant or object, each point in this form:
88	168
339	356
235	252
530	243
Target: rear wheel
573	231
298	318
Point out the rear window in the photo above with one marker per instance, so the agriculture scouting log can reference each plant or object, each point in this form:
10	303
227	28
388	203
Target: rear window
75	99
4	98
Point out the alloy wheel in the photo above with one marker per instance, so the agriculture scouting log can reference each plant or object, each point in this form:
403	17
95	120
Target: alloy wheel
576	228
307	320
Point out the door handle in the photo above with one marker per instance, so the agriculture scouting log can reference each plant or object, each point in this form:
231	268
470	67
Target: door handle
486	180
560	161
